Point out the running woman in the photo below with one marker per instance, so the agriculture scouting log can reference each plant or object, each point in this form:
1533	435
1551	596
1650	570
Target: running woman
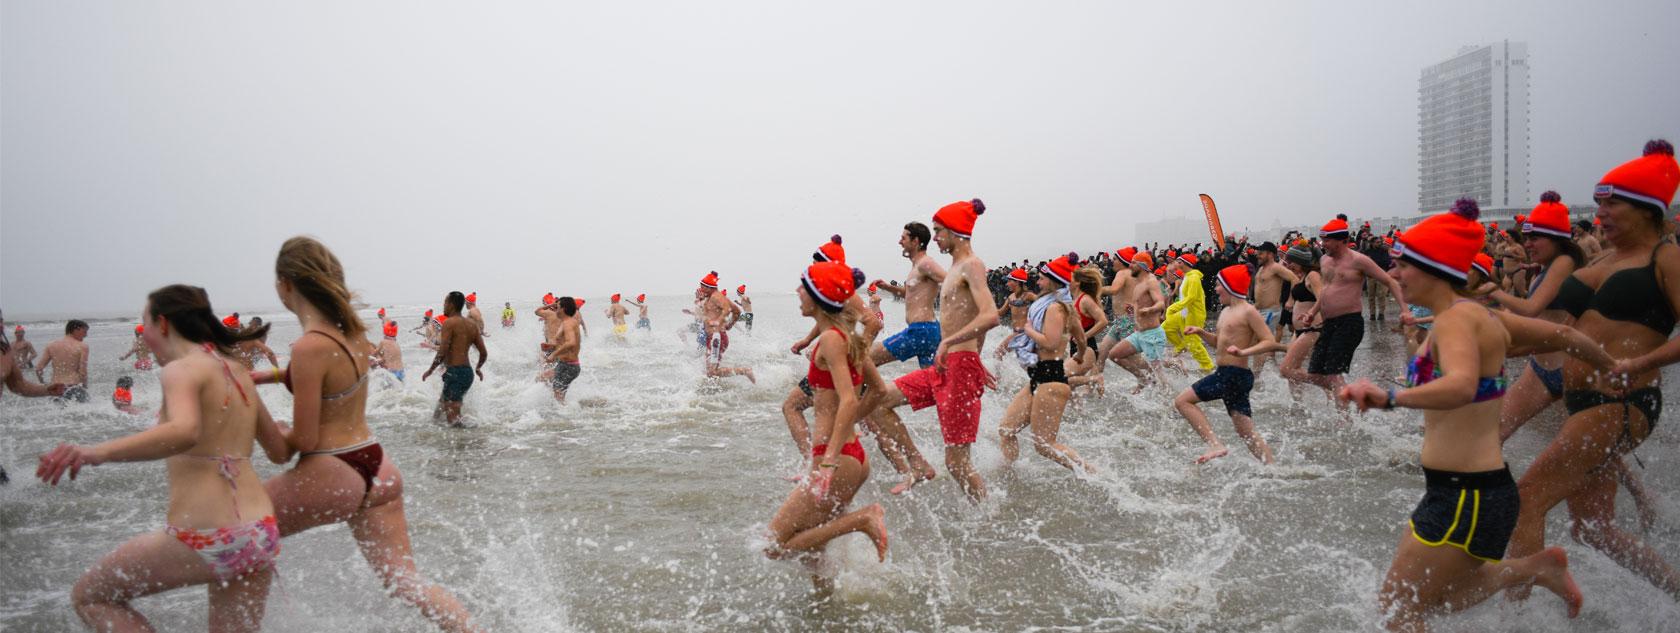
1303	298
954	384
1083	367
142	354
1018	300
567	345
1451	558
1241	332
815	512
1627	301
221	529
343	474
1050	327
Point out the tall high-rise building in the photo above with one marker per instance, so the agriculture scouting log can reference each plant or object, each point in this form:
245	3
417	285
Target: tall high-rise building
1473	128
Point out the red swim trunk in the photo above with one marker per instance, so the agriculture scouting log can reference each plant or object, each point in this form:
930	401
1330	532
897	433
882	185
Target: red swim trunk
716	345
850	449
954	392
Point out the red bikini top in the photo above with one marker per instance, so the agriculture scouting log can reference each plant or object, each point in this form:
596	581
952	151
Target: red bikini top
822	379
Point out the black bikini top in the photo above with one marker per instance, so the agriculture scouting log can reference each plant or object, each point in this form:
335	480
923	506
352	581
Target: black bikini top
1631	294
1301	293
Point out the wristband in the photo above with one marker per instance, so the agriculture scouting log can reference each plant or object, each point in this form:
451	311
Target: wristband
1389	406
277	378
830	465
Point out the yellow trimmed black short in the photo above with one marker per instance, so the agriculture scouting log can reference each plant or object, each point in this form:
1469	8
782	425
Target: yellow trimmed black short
1474	512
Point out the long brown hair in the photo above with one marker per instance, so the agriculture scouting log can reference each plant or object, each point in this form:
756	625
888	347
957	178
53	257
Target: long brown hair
318	276
1089	280
187	309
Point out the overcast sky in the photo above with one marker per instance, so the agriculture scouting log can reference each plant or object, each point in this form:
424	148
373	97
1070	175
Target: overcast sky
517	148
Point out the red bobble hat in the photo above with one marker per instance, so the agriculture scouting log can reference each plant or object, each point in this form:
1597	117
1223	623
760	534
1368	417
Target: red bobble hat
232	321
741	290
710	280
1125	254
874	287
642	298
138	329
830	284
442	317
1650	179
580	302
382	313
548	299
1235	279
428	313
1142	259
959	217
1061	268
1483	263
472	299
1188	258
1550	218
1337	229
390	329
830	251
616	297
1163	270
1018	275
1445	244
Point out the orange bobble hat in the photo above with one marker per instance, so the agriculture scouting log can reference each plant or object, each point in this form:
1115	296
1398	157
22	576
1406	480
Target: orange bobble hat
1649	180
442	317
1445	244
616	297
874	287
548	299
580	302
428	313
831	284
741	289
138	329
1335	229
1189	259
472	299
232	321
959	217
1019	275
390	329
1160	270
710	280
381	313
724	291
642	298
1125	254
1235	279
122	396
1483	263
830	251
1551	217
1142	259
1061	268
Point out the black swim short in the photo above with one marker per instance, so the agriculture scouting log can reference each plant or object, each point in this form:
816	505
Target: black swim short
1045	372
1338	339
564	374
1228	383
1474	512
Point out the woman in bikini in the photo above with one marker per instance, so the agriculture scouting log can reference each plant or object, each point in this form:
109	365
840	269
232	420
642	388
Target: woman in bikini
815	512
1450	558
343	475
220	524
1082	366
1302	298
1626	300
1049	330
142	355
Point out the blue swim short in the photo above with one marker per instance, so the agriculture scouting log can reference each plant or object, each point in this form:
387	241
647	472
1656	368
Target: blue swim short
1152	343
398	373
920	340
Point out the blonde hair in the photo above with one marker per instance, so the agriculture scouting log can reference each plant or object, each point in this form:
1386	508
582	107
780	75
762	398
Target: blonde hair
319	277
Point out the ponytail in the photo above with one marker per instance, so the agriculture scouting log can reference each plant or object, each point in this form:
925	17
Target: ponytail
188	311
319	277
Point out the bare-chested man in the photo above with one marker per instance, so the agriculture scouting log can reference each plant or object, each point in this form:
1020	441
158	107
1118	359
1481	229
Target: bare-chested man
616	313
745	303
11	375
68	358
642	322
921	336
1269	279
1345	271
23	352
472	311
1241	332
458	335
1148	305
249	352
957	379
388	354
568	343
1121	322
717	315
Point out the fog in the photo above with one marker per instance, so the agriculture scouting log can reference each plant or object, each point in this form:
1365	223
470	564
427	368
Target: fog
516	148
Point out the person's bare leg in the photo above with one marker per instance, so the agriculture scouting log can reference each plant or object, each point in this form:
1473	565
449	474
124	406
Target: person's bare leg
144	565
1592	510
1424	581
1048	405
238	605
1642	499
868	520
1561	470
897	446
892	428
1016	417
1525	400
1186	403
382	534
1256	444
962	469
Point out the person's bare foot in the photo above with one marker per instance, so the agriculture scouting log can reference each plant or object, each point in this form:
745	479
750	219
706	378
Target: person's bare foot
876	529
1554	575
1213	454
1100	385
925	473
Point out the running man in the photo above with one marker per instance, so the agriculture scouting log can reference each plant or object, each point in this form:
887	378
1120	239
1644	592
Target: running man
642	322
616	313
458	335
23	352
68	358
957	378
717	315
1242	332
472	311
745	303
1121	323
389	354
1269	281
920	337
1147	304
569	343
1345	271
507	314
